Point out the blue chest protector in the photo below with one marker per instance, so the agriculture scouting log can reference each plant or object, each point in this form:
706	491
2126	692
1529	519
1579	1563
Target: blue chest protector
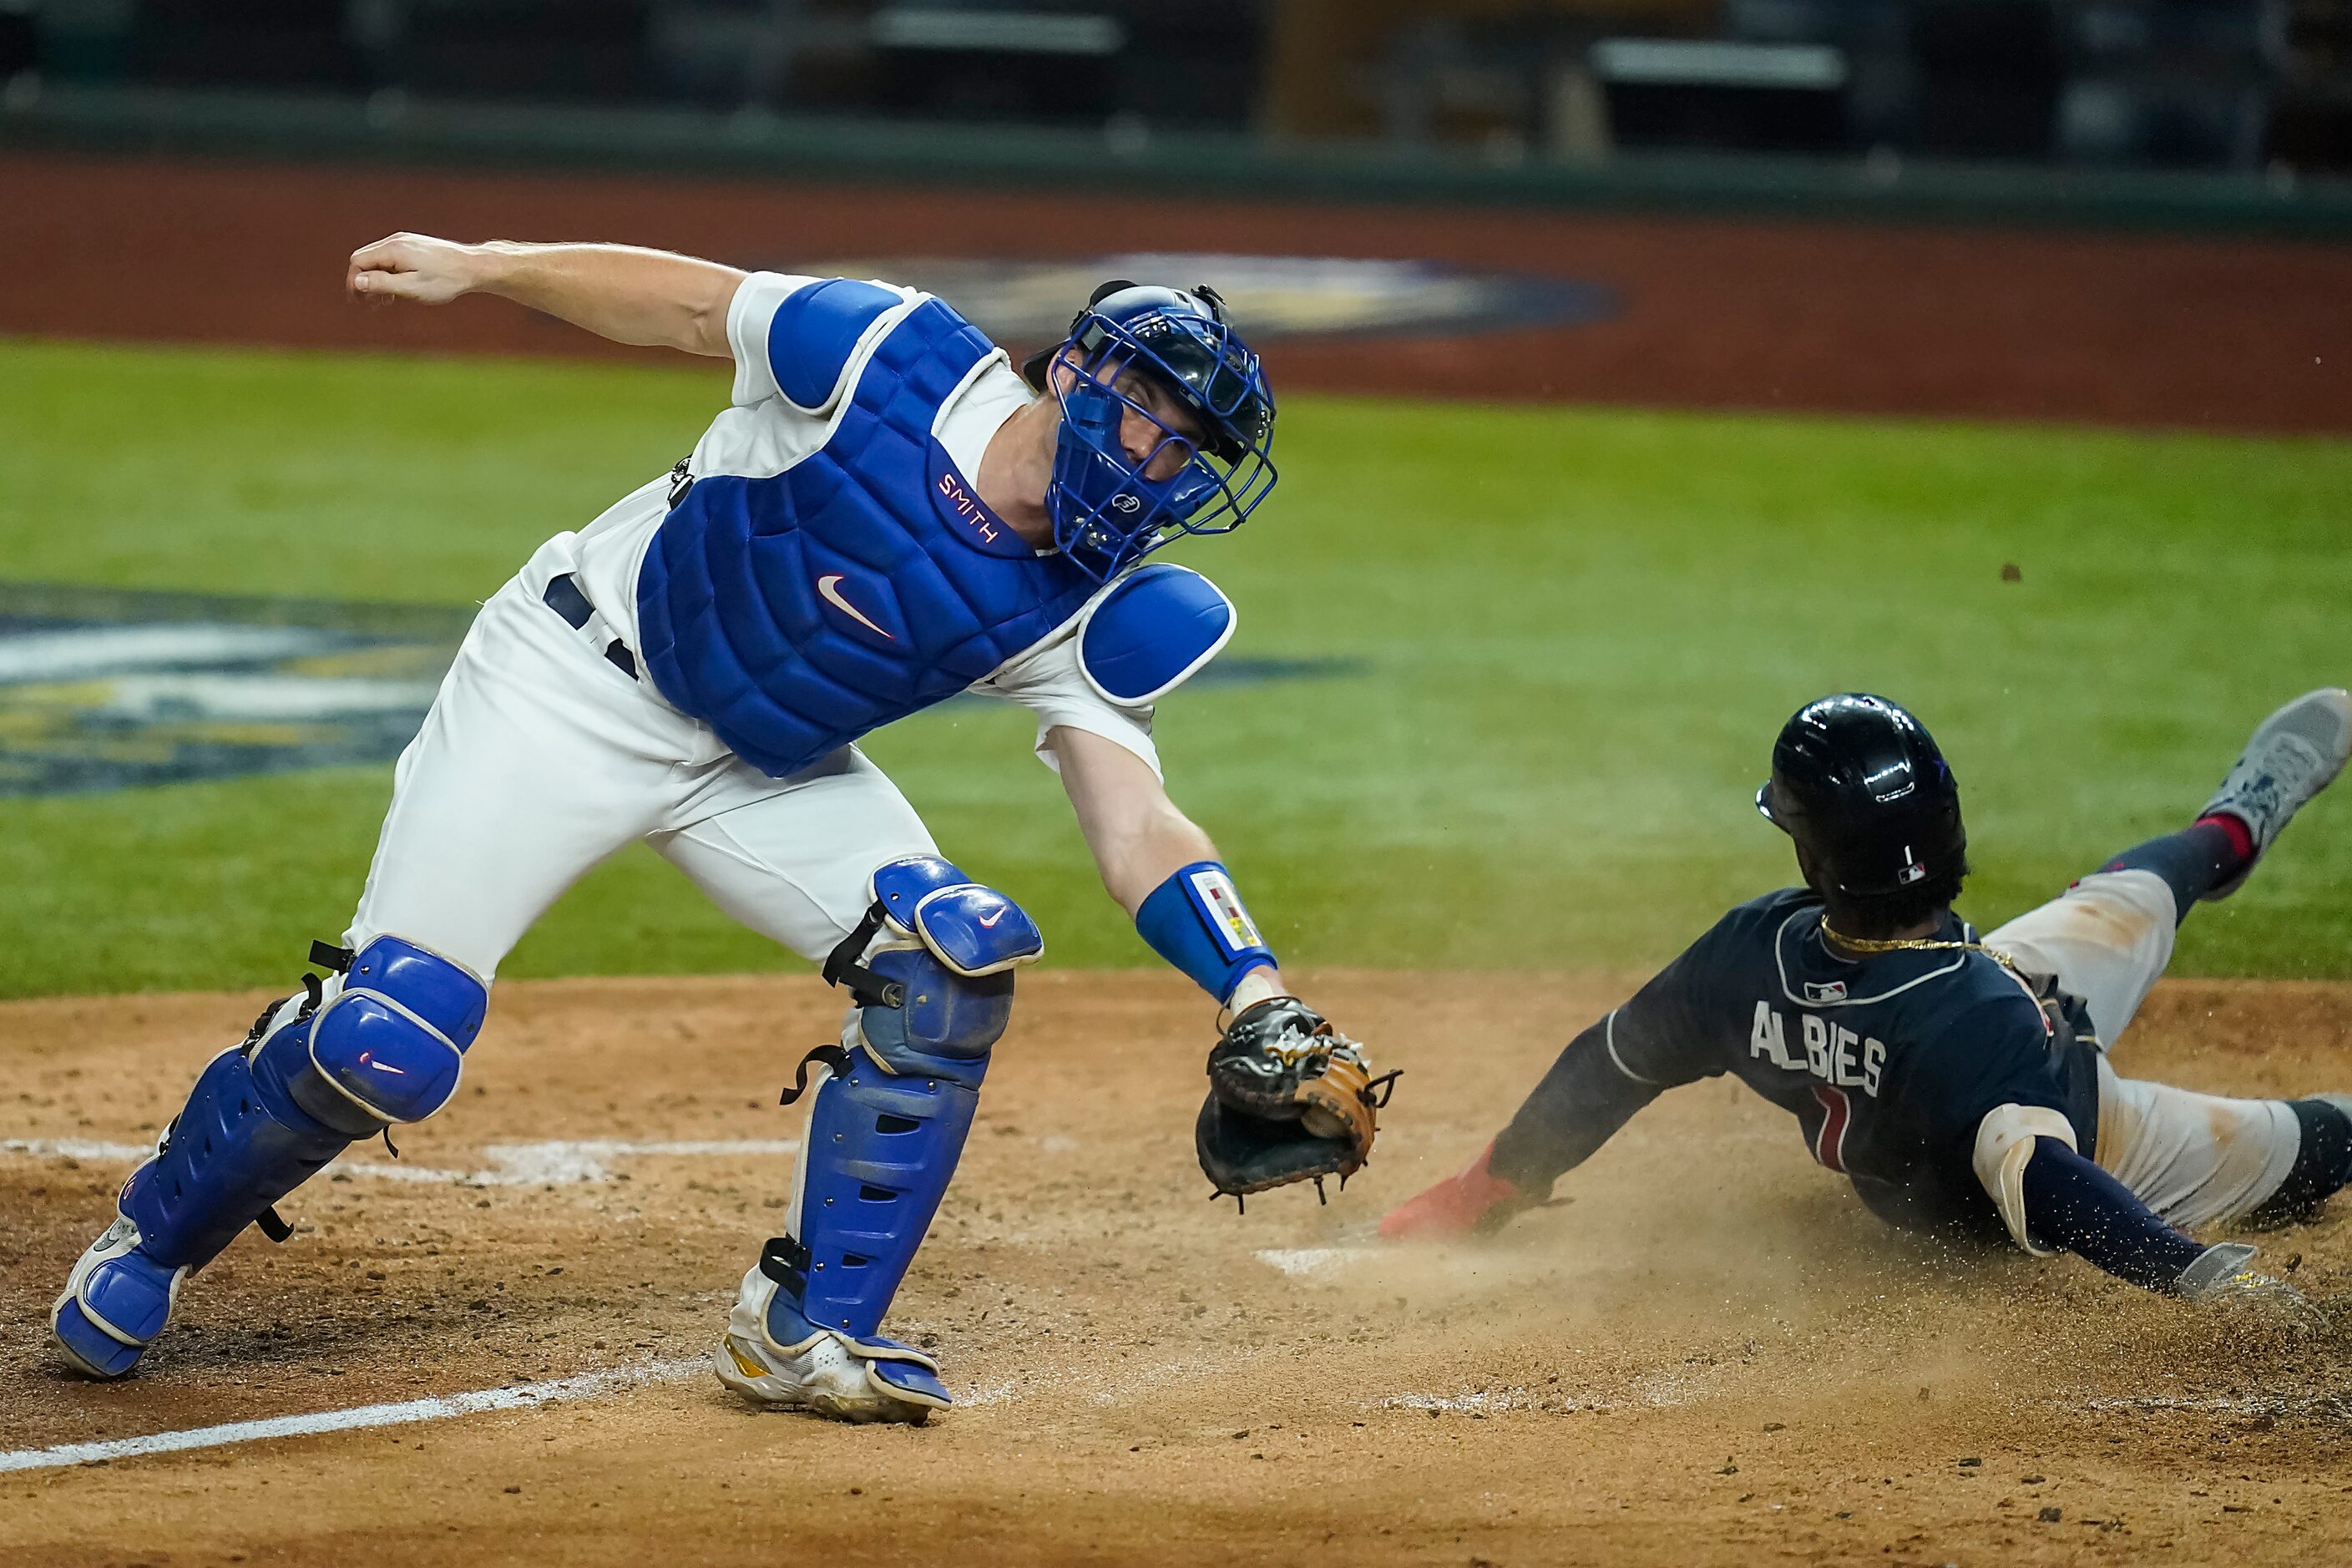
794	614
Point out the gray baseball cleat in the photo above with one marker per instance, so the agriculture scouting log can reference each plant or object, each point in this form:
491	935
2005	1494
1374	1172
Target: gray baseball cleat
2291	756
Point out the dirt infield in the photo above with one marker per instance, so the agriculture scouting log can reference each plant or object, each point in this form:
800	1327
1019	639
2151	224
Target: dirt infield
2223	334
1710	1355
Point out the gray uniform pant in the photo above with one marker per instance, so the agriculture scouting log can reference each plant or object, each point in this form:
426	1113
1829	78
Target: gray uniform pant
2193	1158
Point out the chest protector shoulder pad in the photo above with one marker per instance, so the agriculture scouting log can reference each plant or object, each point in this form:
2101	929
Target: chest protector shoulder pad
1152	632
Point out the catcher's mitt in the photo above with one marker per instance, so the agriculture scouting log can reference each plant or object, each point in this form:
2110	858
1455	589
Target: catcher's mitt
1290	1099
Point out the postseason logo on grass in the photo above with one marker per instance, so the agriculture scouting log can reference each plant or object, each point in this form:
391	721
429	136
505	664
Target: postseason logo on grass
103	689
1023	305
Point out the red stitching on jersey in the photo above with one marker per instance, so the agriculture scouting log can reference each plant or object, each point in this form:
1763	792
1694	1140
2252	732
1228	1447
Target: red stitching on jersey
1837	1115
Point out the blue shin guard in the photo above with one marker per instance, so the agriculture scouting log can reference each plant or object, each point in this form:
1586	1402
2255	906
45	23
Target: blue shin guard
316	1074
881	1150
888	1125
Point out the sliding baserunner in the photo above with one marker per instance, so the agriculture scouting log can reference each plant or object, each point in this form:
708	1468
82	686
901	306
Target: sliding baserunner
1961	1083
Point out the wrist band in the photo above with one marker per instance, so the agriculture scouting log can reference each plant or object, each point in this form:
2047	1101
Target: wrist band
1196	921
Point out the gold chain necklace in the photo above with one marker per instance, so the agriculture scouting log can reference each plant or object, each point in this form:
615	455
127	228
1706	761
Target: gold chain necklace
1916	945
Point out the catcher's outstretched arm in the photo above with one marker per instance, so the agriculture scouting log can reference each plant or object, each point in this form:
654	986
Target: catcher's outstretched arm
1290	1097
649	297
1163	870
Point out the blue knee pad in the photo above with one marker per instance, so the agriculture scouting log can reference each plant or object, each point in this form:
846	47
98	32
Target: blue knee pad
889	1125
389	1047
266	1115
943	1018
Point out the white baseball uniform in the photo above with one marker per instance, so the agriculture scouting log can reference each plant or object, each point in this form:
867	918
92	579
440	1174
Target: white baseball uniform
540	756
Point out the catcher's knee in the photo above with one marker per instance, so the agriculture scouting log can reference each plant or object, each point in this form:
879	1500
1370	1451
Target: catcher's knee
387	1046
931	967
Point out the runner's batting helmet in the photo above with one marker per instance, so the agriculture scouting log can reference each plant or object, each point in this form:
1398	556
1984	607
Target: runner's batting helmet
1861	786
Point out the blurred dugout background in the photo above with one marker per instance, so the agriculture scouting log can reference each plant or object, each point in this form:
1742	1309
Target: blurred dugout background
2252	86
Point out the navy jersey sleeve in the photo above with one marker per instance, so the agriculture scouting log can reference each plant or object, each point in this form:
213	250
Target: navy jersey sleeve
1995	1051
1667	1033
2073	1203
1610	1072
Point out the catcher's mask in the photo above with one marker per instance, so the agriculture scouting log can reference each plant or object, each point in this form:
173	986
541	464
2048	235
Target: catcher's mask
1106	512
1862	787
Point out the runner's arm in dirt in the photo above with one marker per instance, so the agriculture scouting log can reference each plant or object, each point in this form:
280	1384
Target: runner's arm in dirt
1612	1070
2069	1204
2072	1205
1993	1101
2054	1200
648	298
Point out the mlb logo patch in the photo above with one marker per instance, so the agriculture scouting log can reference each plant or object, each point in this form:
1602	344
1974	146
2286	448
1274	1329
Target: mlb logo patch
1825	991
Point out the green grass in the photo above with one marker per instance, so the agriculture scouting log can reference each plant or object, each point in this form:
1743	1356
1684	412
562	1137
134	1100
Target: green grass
1578	632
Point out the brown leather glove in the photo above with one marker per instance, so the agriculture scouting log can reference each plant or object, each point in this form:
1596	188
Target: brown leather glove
1290	1099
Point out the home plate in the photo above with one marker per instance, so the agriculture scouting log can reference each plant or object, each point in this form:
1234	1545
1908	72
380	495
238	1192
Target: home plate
1302	1261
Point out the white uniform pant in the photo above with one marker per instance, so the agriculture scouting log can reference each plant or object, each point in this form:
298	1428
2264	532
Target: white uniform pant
539	758
2195	1159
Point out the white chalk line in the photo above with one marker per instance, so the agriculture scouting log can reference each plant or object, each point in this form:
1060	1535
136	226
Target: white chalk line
529	1164
520	1397
554	1161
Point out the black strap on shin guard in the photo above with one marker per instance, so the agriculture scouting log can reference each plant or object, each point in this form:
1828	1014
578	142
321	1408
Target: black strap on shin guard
326	955
842	966
832	1057
785	1261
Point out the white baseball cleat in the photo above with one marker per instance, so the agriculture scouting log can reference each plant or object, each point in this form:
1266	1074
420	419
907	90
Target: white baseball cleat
2291	756
819	1371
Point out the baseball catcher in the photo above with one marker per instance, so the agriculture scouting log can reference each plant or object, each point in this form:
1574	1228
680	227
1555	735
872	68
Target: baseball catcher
1963	1084
884	516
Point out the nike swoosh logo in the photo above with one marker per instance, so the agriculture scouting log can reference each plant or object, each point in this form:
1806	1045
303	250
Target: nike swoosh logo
830	586
988	922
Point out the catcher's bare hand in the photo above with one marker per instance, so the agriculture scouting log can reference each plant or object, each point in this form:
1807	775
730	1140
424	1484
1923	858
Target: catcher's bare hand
1290	1099
412	266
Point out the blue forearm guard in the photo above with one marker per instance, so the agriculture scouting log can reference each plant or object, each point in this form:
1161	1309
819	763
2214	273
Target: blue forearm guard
1195	920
